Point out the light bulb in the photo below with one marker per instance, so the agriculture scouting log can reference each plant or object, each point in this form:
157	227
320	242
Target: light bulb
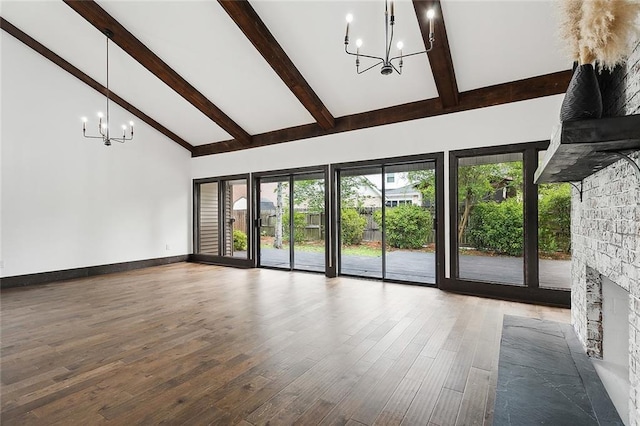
84	119
400	45
349	18
99	115
131	123
431	13
124	127
359	42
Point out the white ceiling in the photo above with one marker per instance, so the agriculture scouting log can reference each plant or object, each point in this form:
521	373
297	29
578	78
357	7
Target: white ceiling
491	42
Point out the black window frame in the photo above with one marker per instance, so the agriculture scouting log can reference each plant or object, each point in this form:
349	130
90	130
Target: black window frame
531	291
438	158
219	259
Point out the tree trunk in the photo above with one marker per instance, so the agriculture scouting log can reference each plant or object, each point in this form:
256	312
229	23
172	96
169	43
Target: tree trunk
277	241
465	218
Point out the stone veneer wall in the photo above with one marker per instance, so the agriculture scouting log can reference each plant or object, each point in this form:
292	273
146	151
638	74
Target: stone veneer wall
605	229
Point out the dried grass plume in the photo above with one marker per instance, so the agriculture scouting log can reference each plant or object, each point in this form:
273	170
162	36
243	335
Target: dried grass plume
600	30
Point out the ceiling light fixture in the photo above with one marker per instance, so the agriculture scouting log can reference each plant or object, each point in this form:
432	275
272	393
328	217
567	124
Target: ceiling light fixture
387	63
103	127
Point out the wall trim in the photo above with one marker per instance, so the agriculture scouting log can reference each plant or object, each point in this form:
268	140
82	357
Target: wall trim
87	271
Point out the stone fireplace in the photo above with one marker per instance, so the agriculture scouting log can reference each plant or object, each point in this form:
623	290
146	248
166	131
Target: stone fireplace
605	228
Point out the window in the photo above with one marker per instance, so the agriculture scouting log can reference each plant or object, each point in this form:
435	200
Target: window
504	228
391	178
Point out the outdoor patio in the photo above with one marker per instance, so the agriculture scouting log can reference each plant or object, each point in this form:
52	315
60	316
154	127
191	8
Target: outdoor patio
420	267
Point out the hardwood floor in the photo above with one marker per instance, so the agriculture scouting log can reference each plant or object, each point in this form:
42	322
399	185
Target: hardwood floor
200	344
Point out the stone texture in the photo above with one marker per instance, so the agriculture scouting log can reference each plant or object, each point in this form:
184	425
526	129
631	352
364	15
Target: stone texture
605	230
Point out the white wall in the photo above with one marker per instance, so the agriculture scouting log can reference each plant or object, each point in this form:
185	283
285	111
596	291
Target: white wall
70	202
525	121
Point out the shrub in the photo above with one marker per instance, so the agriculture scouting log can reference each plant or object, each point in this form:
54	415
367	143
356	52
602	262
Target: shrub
239	240
299	224
497	227
352	226
554	218
407	226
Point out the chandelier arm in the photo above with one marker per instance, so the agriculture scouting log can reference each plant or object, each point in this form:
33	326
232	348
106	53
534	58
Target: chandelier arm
94	137
361	55
396	69
410	54
372	66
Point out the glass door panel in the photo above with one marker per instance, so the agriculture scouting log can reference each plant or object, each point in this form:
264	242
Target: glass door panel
273	213
410	208
234	243
490	219
308	222
554	234
209	230
360	222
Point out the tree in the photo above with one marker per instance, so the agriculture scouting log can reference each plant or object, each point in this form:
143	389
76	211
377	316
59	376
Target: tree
425	182
277	241
477	182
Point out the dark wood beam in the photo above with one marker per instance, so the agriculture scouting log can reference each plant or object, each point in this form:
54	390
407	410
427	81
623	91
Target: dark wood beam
38	47
257	32
440	55
100	19
521	90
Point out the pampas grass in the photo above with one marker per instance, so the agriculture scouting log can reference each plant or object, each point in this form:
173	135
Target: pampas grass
570	14
600	30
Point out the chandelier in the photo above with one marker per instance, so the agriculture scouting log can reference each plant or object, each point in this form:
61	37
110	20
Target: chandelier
388	66
103	125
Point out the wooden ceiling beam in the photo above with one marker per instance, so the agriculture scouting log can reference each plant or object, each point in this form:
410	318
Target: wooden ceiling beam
50	55
440	55
100	19
520	90
259	35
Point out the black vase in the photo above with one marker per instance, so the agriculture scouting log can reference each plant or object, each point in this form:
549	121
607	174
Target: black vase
583	99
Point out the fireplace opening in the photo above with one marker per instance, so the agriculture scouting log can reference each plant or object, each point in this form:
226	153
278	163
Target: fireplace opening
613	368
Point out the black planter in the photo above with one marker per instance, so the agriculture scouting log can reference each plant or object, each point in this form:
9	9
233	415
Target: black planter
583	99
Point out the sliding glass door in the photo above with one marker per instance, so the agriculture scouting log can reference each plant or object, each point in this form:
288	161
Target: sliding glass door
360	222
222	219
387	221
273	212
410	208
291	225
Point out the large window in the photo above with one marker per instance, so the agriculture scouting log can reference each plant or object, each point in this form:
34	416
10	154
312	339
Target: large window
490	219
505	229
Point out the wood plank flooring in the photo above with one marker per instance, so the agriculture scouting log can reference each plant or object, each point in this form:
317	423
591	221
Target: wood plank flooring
199	344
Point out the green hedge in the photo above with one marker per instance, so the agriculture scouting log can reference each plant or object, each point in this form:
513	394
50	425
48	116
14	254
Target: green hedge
299	224
554	218
407	226
497	227
239	240
352	226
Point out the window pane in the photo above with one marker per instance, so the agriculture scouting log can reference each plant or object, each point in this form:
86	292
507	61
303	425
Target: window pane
308	222
360	234
490	219
554	234
209	231
409	234
235	218
274	222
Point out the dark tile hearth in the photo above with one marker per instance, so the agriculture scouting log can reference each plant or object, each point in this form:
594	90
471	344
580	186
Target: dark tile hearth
545	378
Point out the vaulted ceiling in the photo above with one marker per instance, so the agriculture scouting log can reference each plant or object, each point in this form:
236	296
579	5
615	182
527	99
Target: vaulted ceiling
229	75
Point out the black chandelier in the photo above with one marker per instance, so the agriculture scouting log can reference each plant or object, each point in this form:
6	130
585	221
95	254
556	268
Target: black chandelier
103	127
387	63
